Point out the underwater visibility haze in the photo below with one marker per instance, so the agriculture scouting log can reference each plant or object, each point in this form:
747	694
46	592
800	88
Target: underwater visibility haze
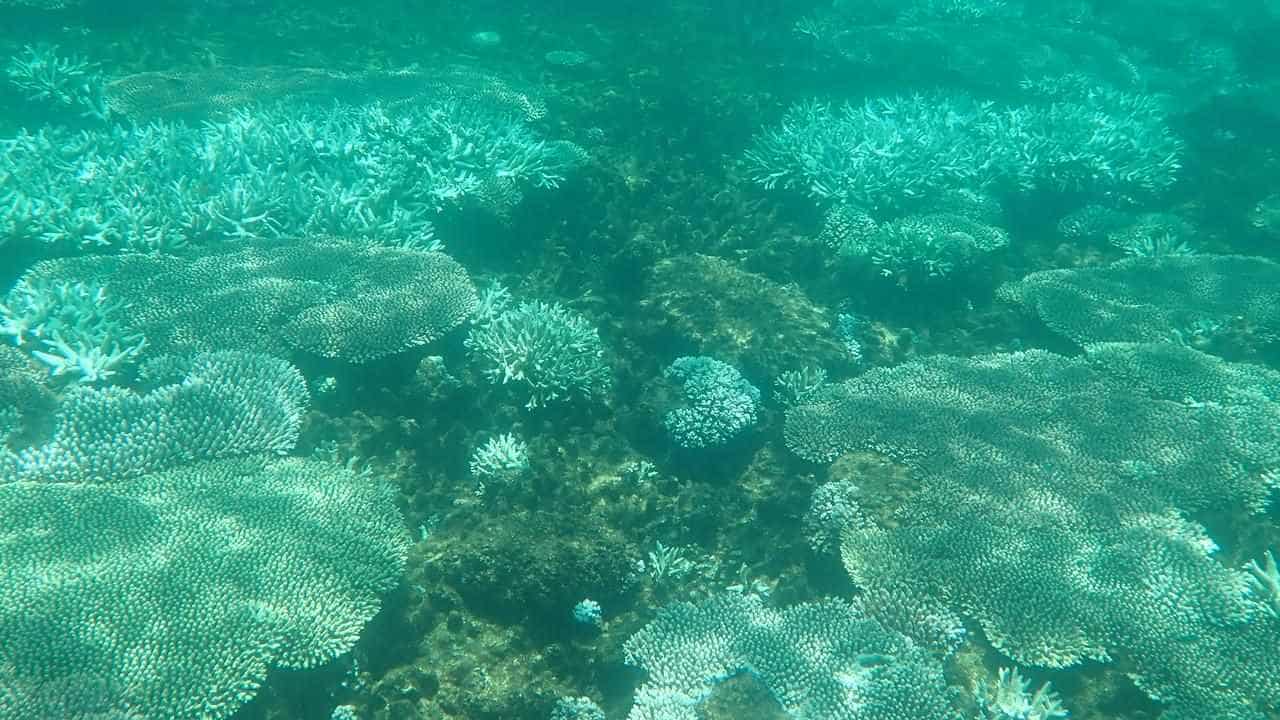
693	360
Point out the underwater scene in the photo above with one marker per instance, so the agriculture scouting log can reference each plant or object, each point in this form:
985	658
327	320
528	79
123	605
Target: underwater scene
639	360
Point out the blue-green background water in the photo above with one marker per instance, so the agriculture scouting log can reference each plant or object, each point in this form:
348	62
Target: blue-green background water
870	360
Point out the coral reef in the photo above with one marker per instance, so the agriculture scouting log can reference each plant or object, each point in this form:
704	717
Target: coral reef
74	329
374	168
226	404
932	245
1054	501
892	152
846	359
1007	699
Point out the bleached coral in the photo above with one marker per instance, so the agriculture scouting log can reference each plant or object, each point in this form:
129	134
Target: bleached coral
77	330
1008	698
549	351
502	458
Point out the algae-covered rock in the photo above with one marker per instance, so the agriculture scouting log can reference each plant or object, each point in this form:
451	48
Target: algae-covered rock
698	304
538	565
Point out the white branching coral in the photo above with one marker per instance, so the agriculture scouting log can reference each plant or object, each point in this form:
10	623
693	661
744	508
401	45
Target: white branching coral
503	458
1009	698
548	350
1264	582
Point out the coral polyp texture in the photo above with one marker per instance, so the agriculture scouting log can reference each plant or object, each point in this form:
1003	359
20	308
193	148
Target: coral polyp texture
44	75
855	359
1053	508
576	708
1155	298
208	93
501	459
350	299
930	245
1009	698
1264	581
818	660
878	154
160	556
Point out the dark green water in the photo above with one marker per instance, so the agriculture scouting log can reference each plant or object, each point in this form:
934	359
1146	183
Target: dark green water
889	360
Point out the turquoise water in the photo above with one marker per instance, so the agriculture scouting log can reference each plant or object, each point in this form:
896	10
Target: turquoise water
891	360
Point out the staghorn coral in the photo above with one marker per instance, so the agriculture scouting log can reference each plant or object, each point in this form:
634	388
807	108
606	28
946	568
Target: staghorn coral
550	351
896	153
719	403
1008	699
74	329
1264	582
502	458
797	386
43	75
337	298
880	154
377	167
